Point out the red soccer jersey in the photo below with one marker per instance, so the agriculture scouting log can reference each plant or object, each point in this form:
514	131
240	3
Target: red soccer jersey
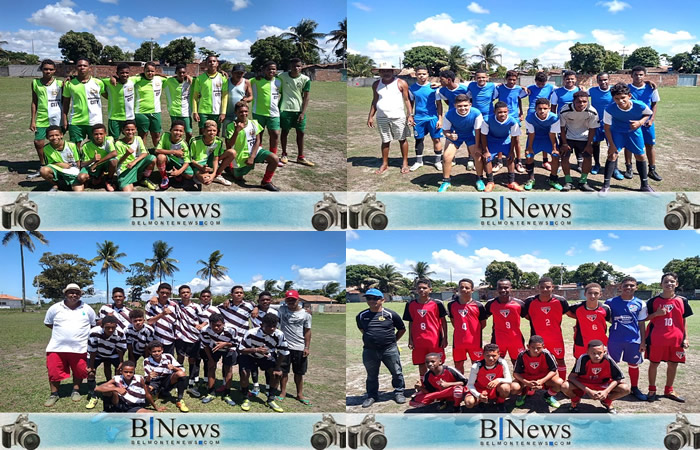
590	324
486	375
506	320
535	368
545	317
449	375
597	373
668	329
466	319
425	322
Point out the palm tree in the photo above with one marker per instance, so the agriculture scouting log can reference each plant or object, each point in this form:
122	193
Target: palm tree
330	289
360	65
487	55
287	285
270	285
535	64
304	37
522	65
421	269
386	278
340	37
457	61
25	241
212	268
161	263
254	290
108	254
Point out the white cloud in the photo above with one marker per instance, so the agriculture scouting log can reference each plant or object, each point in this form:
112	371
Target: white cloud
557	54
382	51
641	273
477	8
45	42
62	17
614	6
230	49
680	48
352	51
663	38
239	4
648	248
361	6
351	236
473	266
598	245
269	30
613	236
314	278
463	239
442	29
571	251
224	32
528	36
372	257
155	27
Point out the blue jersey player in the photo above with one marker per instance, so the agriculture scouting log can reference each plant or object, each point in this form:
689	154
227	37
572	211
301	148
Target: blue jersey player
565	94
541	89
623	120
462	126
499	135
427	115
512	95
626	334
649	95
600	99
542	128
448	91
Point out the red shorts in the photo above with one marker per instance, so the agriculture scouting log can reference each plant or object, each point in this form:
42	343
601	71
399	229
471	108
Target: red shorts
668	353
555	346
594	386
579	351
419	354
491	392
512	348
61	364
460	354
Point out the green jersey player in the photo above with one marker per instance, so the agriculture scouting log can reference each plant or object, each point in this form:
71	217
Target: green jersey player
135	163
149	88
209	156
177	94
120	96
266	97
102	152
46	107
294	92
209	95
173	155
81	96
64	162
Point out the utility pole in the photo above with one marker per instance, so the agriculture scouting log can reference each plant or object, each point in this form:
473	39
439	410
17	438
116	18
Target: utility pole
561	275
151	50
623	57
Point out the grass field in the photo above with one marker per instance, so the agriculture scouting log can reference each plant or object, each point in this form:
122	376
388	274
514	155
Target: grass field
24	383
676	137
356	373
324	143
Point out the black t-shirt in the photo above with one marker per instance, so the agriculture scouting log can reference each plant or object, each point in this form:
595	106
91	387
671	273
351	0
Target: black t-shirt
379	328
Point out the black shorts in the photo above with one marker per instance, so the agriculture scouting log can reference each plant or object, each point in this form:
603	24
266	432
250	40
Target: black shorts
228	358
297	361
161	385
169	349
114	362
189	349
250	363
578	147
123	407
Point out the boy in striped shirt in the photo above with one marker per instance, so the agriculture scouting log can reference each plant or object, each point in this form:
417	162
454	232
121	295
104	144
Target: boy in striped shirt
237	311
163	316
117	310
263	347
127	393
220	342
206	310
163	372
106	344
187	342
138	335
264	301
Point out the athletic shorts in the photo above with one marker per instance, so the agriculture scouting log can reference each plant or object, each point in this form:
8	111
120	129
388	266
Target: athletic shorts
204	117
540	146
649	134
260	158
148	122
423	127
513	348
78	133
492	394
101	169
114	362
161	384
187	120
495	149
131	176
115	127
600	134
65	178
123	406
290	119
668	353
61	364
632	141
189	349
297	362
469	140
250	363
625	351
40	133
555	346
594	386
393	129
577	147
419	353
173	163
271	123
460	354
227	357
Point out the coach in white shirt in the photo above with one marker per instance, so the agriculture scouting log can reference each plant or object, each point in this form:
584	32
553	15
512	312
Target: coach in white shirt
70	322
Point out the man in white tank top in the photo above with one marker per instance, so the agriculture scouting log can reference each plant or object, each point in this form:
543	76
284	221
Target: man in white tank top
238	89
393	108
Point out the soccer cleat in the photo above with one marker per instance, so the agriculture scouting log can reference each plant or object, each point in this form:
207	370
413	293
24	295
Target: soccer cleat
611	410
369	401
91	403
604	191
520	401
444	186
208	398
618	175
254	392
305	162
274	406
284	159
480	186
573	407
646	188
399	398
595	169
192	390
228	400
31	176
489	186
654	176
438	166
416	165
629	173
652	397
269	186
551	401
520	168
515	187
164	183
148	184
75	396
547	166
51	401
639	394
529	184
53	189
585	187
671	395
567	187
245	406
470	165
555	185
497	167
221	180
181	406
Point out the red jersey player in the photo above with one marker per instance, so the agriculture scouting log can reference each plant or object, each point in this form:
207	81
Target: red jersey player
427	332
545	312
591	319
535	369
597	375
440	382
468	318
667	335
489	379
506	312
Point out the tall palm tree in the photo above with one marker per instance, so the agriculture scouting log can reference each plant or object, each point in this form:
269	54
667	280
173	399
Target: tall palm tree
340	37
25	241
287	285
161	263
421	269
255	291
108	254
212	268
535	64
457	61
360	65
330	289
522	65
304	37
386	278
487	55
270	286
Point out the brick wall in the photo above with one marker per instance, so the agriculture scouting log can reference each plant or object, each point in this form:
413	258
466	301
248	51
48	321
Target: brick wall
666	79
324	74
102	71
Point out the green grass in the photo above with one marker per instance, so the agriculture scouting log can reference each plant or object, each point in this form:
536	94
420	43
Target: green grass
324	142
356	373
24	383
676	131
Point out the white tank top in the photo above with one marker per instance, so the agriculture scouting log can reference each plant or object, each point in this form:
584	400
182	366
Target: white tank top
390	103
235	94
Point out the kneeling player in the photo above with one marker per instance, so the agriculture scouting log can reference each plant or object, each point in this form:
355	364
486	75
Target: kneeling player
542	129
135	163
63	163
440	382
173	155
536	369
163	372
101	150
127	393
220	341
106	345
489	379
462	124
597	376
499	136
209	156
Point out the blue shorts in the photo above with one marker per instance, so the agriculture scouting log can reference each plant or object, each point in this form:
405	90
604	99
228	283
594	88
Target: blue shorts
627	351
469	140
649	134
495	149
599	134
424	127
540	145
634	142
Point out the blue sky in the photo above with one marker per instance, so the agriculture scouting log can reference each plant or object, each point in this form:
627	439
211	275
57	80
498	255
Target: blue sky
309	259
641	254
384	30
226	26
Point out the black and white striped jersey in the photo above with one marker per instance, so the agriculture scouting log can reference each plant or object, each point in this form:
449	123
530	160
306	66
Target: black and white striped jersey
258	320
157	369
189	319
228	334
122	315
106	347
274	342
237	316
139	339
166	326
135	394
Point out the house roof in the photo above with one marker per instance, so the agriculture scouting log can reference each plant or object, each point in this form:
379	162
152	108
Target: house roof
8	297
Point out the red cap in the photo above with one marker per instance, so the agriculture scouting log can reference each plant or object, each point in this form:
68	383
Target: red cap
291	294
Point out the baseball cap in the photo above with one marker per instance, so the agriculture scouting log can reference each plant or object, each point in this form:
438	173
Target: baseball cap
291	294
373	293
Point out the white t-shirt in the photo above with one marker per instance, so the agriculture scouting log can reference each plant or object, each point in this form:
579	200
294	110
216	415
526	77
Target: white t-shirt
71	327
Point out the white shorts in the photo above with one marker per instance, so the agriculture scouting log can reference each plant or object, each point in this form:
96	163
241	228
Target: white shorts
393	129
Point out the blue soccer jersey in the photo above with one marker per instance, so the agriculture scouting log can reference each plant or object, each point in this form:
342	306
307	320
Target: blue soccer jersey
538	92
600	99
619	120
424	98
625	317
542	128
482	97
499	133
464	126
510	97
644	94
449	95
561	96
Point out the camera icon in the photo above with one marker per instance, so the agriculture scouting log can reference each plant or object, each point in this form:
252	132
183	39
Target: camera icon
369	433
22	213
328	213
681	433
370	213
327	433
23	433
680	213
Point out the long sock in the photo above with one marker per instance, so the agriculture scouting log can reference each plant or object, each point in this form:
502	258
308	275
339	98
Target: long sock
610	167
268	176
489	177
447	180
227	392
530	167
596	153
553	177
511	177
438	157
568	179
668	389
575	400
652	167
562	371
91	384
161	169
254	375
419	150
608	402
634	375
244	391
194	372
500	400
274	150
584	178
181	385
642	169
652	388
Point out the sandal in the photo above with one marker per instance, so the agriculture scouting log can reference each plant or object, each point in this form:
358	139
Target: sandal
304	401
278	398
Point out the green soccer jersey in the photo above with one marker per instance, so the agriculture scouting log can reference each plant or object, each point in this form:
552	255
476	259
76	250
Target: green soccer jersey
148	95
138	148
178	97
68	154
86	102
291	91
245	141
166	144
209	93
121	98
90	148
266	96
48	106
200	152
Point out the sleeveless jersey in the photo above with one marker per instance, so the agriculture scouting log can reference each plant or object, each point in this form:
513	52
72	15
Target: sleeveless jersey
48	105
390	102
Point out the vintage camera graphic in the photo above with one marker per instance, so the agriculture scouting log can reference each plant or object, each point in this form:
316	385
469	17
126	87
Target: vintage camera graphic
369	433
680	213
327	433
328	213
23	433
22	213
681	433
370	213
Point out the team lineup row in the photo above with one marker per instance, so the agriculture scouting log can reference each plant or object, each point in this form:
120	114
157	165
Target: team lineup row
627	339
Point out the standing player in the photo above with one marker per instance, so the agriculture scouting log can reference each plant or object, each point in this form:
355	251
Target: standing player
138	335
489	379
266	98
294	91
120	96
649	95
209	156
209	95
238	89
427	115
206	310
668	335
462	125
220	341
542	128
591	319
427	330
512	95
173	155
149	88
506	312
117	309
541	89
535	369
441	382
295	323
163	316
64	164
483	93
264	302
135	163
177	95
101	149
499	136
81	96
627	331
187	334
565	94
106	345
448	91
578	122
237	311
46	107
468	318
